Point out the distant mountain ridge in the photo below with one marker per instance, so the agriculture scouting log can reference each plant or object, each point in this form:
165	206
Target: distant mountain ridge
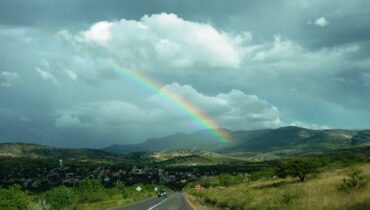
291	138
199	140
200	148
249	144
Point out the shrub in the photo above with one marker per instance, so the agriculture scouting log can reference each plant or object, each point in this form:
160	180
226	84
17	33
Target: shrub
40	205
287	198
60	197
122	189
355	180
227	179
14	199
91	190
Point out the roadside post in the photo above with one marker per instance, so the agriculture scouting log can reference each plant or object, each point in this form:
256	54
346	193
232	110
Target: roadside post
198	187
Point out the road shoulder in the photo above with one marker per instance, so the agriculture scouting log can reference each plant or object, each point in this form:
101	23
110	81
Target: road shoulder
191	201
131	204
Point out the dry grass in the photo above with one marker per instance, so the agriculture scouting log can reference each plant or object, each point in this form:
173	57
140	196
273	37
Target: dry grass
318	192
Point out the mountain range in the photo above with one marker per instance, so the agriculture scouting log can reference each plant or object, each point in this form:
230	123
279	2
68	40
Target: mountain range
289	139
246	145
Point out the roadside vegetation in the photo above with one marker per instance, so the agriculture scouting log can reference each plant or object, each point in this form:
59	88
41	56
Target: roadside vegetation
90	194
293	185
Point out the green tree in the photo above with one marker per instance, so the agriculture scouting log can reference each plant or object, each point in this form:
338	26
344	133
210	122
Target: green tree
14	199
296	168
91	190
61	197
225	179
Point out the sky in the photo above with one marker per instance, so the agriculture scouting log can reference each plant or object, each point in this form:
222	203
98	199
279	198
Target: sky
246	64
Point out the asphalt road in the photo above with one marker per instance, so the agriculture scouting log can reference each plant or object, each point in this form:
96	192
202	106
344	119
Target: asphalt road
175	201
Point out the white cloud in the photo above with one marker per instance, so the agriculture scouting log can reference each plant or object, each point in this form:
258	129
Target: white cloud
308	125
46	75
285	55
71	74
161	40
99	32
118	120
321	22
280	50
96	114
7	78
45	72
235	110
68	119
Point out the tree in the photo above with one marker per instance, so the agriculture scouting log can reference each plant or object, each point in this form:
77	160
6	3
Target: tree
60	197
225	179
14	199
296	168
91	190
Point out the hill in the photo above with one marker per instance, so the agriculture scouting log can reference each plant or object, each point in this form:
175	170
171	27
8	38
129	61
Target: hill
164	158
186	158
295	139
35	151
280	141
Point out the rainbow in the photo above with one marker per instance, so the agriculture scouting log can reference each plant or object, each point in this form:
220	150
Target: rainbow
197	115
155	87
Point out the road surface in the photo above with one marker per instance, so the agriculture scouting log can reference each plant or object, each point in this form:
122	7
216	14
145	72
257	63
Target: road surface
175	201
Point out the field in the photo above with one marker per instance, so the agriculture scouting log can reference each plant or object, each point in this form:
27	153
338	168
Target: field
319	191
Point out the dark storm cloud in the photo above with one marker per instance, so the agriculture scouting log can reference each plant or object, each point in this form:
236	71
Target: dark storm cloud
22	12
294	19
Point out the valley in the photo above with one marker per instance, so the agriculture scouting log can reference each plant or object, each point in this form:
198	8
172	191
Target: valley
246	164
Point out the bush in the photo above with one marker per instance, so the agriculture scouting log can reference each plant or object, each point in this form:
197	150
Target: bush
60	197
227	179
40	205
14	199
122	189
355	180
91	190
288	197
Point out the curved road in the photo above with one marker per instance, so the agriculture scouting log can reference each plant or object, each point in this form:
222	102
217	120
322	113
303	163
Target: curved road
175	201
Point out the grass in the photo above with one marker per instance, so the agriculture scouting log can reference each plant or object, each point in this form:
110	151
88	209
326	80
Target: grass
116	199
68	198
318	192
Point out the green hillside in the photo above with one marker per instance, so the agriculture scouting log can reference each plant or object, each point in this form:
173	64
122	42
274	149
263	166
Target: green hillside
21	150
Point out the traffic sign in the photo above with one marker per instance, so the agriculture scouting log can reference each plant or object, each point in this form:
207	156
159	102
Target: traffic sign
138	188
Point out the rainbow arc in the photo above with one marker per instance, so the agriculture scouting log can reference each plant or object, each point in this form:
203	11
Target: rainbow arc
180	103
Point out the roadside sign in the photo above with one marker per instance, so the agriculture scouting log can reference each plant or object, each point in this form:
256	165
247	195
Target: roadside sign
198	186
156	189
138	188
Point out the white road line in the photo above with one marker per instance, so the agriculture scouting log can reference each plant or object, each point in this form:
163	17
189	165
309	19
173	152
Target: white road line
157	204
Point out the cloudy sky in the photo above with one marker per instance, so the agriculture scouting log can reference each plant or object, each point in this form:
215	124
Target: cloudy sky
247	64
